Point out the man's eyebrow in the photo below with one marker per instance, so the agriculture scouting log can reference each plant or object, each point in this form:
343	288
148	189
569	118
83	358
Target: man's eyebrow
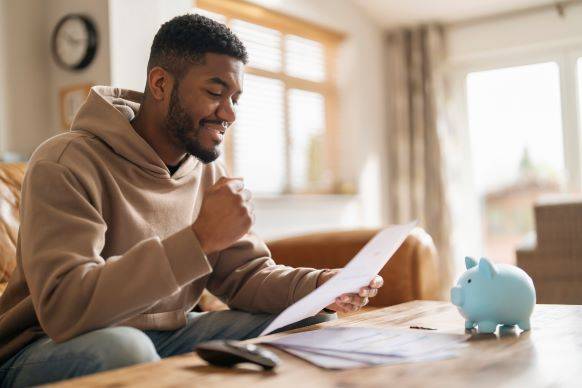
216	80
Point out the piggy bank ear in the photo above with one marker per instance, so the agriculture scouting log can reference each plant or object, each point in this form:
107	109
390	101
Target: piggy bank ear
487	268
470	262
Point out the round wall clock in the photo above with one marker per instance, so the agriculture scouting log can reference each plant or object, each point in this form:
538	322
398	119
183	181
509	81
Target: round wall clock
74	42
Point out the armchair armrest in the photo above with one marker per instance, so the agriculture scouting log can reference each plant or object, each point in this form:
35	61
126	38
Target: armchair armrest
412	273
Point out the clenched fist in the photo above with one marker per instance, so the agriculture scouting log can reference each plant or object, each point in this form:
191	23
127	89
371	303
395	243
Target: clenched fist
225	216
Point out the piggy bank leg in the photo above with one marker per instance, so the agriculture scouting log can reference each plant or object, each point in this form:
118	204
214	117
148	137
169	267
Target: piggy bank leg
524	325
469	325
486	327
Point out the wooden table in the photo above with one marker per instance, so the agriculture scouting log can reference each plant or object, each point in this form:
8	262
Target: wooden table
550	355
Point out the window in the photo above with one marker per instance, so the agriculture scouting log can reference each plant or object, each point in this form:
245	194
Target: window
281	142
515	126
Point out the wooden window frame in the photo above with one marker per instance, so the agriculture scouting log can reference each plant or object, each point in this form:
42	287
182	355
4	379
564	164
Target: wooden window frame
289	25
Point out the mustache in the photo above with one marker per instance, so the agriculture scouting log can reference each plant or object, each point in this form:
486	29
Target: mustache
224	124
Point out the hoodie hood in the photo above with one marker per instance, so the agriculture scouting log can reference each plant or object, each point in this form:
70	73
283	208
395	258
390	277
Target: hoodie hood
107	114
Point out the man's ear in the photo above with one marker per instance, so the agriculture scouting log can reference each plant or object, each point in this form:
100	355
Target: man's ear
159	83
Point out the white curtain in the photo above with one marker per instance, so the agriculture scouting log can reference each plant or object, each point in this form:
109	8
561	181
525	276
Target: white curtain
416	130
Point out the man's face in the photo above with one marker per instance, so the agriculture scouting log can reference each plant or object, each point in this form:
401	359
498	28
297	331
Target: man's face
203	105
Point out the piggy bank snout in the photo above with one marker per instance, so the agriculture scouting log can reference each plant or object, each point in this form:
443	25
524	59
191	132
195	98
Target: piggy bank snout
457	296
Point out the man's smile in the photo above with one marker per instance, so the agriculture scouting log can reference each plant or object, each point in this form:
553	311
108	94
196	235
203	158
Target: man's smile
217	129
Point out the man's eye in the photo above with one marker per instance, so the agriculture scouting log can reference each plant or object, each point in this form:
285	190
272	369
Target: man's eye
213	94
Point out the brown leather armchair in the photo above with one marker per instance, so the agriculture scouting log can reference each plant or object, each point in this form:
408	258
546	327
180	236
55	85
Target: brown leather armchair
409	275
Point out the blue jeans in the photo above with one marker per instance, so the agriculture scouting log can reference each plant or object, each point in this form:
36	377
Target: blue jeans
45	361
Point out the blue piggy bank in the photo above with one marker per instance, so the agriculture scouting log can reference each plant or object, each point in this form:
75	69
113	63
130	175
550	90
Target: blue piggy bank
490	294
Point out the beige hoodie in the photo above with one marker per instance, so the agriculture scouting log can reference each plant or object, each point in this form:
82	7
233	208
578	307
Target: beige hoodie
105	238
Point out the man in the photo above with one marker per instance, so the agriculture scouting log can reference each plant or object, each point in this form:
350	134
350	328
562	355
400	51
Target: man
127	218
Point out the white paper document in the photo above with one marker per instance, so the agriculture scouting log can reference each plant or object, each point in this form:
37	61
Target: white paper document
358	273
329	360
356	347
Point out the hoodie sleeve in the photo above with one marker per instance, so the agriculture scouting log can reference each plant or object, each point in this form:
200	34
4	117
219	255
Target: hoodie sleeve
245	277
74	290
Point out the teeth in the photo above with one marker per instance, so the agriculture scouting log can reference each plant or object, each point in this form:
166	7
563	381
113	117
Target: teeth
220	128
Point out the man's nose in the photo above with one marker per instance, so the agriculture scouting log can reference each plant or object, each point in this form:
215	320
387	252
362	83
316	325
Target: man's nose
227	112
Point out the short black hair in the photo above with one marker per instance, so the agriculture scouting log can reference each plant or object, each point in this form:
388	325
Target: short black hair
185	39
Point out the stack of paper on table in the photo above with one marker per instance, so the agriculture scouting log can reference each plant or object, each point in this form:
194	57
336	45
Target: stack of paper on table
357	347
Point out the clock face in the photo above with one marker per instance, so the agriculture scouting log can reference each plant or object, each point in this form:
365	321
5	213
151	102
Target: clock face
74	42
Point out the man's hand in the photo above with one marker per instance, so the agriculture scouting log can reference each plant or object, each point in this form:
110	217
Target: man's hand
351	302
225	216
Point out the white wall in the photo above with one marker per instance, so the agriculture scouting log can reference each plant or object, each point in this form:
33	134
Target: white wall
515	35
133	24
23	75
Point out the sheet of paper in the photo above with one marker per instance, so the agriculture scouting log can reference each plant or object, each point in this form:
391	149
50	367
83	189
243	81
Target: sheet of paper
337	361
394	342
327	362
356	347
358	273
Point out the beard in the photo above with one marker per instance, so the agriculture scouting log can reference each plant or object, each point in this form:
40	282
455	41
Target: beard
184	133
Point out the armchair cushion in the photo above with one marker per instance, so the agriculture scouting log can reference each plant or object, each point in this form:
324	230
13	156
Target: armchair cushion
11	176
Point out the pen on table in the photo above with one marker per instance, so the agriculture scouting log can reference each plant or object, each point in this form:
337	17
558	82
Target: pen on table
421	328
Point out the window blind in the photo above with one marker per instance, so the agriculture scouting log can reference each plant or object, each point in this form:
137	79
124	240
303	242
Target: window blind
211	15
259	135
263	44
307	131
304	58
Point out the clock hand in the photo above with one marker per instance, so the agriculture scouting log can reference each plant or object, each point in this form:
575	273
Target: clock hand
69	39
73	40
